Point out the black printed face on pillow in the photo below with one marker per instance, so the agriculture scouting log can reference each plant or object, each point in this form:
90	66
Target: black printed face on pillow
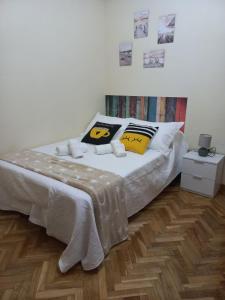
137	137
101	133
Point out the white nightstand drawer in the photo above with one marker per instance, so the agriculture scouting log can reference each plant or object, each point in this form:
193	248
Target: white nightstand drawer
198	184
202	169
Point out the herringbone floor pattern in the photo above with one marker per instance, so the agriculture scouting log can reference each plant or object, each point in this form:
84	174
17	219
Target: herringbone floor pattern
176	250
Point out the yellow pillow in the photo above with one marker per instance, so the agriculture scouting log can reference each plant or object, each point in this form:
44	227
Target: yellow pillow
136	138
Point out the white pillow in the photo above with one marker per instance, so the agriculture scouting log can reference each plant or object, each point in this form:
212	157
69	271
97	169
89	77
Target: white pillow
110	120
165	134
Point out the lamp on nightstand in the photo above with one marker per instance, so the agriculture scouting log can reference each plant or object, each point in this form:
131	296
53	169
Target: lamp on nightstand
204	143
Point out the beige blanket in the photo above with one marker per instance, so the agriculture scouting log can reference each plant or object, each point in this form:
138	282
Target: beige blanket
106	190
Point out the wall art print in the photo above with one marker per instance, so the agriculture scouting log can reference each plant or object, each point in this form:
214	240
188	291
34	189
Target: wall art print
141	20
125	53
166	29
154	59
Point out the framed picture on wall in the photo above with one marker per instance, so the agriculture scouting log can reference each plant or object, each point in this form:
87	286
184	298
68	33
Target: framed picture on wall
141	20
154	59
166	29
125	53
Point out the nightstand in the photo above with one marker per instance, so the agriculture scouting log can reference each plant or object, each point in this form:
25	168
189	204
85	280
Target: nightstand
202	175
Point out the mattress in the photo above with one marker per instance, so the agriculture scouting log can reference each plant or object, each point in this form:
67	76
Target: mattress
122	166
67	212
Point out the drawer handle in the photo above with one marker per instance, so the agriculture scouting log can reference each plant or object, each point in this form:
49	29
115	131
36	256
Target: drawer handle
199	162
197	177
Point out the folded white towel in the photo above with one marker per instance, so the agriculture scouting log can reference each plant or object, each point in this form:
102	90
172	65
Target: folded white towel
120	151
76	151
62	150
103	149
78	144
118	148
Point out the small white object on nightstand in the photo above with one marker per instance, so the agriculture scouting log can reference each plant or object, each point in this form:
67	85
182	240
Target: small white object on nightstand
202	175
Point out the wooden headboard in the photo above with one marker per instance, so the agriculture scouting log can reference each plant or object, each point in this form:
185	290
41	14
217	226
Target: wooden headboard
154	109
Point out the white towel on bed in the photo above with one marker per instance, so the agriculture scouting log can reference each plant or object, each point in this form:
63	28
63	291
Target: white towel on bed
103	149
62	150
118	148
76	152
78	144
75	149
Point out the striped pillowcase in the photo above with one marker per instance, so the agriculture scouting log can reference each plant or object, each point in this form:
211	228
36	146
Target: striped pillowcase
136	138
148	131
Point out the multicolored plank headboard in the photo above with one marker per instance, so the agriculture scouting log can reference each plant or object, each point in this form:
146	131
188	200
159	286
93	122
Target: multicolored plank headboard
154	109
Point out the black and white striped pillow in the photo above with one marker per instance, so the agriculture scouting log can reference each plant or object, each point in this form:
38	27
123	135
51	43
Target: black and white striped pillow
148	131
136	138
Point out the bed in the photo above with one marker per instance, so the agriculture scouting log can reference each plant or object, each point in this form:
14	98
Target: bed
67	212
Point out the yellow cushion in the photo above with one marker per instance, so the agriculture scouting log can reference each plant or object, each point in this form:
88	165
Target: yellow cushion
135	142
136	138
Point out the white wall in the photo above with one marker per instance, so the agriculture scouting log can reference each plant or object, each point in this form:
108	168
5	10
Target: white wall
51	69
194	66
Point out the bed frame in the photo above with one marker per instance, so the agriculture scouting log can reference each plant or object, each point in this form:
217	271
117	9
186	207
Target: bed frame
154	109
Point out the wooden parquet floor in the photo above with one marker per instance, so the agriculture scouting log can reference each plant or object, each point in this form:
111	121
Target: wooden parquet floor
176	250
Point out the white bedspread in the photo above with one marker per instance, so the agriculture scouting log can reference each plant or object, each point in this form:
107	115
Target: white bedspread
67	213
